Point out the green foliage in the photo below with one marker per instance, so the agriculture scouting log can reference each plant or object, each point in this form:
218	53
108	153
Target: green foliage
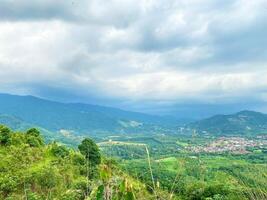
35	171
55	172
34	138
33	132
59	150
91	151
205	176
8	184
46	177
5	135
17	139
47	172
34	196
100	193
78	159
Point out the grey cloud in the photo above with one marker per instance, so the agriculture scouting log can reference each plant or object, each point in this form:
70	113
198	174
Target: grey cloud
100	12
247	43
35	10
135	51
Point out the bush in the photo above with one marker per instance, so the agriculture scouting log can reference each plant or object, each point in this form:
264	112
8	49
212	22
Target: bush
78	159
46	177
72	195
82	187
17	139
8	184
5	135
34	138
59	151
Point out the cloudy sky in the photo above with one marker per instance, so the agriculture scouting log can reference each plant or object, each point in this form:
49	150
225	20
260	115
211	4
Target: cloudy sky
156	56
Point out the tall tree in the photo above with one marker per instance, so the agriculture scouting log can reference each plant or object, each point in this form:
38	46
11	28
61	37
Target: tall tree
91	151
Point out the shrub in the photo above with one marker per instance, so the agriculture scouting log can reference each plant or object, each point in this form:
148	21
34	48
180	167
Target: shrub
59	151
34	138
5	135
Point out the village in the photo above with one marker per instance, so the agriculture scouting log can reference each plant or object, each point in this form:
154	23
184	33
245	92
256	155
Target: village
237	145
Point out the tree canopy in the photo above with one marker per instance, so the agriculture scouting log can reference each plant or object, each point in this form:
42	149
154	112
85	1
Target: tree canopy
91	151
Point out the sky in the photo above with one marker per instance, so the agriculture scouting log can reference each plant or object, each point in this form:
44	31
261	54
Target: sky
188	58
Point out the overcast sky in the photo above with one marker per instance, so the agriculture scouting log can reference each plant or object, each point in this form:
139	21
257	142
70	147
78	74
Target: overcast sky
152	56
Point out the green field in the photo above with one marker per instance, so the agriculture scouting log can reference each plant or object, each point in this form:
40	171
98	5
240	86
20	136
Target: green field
189	175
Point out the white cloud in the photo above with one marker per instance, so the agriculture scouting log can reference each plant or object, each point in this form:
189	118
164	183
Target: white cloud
136	50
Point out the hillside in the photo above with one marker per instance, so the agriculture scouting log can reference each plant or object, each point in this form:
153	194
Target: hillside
79	118
244	122
29	169
13	122
33	170
18	124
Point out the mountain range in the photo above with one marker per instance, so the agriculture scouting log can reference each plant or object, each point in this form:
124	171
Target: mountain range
69	121
78	118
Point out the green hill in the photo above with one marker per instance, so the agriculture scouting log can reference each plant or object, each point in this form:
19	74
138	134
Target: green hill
31	170
18	124
241	123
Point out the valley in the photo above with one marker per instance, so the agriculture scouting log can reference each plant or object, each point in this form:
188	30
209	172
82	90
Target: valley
217	158
133	100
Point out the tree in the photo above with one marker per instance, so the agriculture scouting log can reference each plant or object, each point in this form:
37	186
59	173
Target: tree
91	151
5	135
34	138
33	132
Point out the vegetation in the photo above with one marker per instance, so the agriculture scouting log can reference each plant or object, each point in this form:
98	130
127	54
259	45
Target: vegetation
205	176
79	118
31	170
188	175
144	168
241	123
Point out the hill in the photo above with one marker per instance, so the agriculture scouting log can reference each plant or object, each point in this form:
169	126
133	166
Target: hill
18	124
29	169
13	122
79	118
244	122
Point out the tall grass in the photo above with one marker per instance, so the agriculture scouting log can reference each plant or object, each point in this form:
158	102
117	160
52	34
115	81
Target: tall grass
150	169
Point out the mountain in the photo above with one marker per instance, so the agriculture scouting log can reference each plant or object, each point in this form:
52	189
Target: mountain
79	118
18	124
13	122
244	122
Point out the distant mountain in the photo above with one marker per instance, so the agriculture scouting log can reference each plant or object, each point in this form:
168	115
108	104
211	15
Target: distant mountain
79	118
244	122
17	124
13	122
